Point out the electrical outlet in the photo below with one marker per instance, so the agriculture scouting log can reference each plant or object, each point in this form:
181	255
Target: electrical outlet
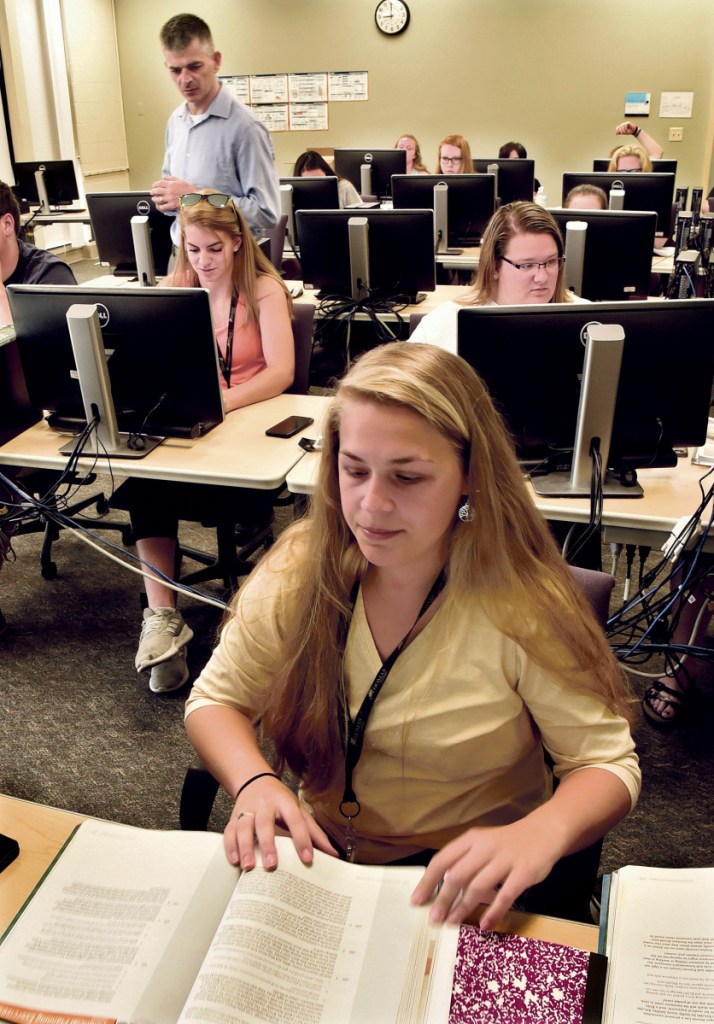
676	134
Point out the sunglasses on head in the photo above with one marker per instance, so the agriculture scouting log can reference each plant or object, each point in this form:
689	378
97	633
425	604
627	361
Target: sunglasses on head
217	199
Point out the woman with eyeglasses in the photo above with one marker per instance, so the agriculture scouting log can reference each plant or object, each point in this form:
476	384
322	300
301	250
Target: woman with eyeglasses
521	261
251	310
629	158
454	156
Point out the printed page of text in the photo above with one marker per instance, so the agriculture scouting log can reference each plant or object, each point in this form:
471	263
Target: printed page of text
94	939
661	947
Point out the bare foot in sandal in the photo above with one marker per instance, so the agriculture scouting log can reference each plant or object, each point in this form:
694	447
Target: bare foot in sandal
663	702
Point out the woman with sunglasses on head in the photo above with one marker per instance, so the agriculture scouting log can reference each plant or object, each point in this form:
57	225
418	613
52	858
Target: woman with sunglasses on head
521	262
410	647
251	310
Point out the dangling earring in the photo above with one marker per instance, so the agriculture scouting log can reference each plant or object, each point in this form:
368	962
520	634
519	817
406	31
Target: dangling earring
466	513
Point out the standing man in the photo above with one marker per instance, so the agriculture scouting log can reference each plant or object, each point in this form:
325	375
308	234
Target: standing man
212	140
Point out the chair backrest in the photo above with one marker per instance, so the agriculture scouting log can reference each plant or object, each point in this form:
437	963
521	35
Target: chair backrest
303	317
597	588
414	319
277	241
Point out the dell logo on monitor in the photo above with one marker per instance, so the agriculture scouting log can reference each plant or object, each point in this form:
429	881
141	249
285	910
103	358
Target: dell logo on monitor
103	314
143	208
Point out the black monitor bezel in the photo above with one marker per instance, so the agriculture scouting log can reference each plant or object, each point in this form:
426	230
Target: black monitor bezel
313	194
516	177
416	192
386	162
324	250
171	346
60	181
658	166
638	186
111	213
618	251
528	380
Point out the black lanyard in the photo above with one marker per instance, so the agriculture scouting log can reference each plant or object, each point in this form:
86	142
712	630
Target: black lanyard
356	727
225	364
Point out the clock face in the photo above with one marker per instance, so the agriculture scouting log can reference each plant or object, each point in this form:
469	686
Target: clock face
391	16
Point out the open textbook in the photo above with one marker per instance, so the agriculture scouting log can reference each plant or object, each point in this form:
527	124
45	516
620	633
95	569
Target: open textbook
149	927
658	934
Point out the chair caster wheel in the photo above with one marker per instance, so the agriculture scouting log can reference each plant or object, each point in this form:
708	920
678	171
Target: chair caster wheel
49	571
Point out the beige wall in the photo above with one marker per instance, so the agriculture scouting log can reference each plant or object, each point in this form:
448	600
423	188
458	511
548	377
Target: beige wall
550	73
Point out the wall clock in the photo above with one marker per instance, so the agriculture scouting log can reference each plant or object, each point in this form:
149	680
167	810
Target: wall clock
391	16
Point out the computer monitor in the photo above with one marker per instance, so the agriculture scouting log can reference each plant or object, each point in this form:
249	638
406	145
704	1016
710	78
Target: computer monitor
612	257
463	204
306	194
58	176
111	214
531	359
515	178
370	170
159	348
385	254
642	191
659	166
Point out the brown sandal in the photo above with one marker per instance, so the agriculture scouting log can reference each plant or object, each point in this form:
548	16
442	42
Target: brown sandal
674	699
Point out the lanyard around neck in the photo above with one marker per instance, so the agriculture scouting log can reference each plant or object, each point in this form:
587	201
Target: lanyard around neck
356	727
226	364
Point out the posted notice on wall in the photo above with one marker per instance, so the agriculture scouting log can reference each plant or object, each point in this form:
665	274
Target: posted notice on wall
637	104
238	86
676	104
348	85
308	117
273	115
308	88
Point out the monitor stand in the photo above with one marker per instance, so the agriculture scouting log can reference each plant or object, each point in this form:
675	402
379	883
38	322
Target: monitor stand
441	221
89	356
598	396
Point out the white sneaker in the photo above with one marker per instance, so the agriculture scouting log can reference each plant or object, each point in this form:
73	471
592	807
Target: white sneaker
163	634
170	674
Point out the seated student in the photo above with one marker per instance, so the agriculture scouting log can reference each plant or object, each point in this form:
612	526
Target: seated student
650	146
311	164
629	158
423	560
586	197
20	263
516	151
409	144
250	307
454	156
521	261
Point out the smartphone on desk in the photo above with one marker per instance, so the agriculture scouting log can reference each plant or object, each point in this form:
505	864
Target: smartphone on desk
9	849
290	426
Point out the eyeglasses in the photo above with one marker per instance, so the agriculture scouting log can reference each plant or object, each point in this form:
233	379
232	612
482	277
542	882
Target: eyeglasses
217	199
551	265
450	159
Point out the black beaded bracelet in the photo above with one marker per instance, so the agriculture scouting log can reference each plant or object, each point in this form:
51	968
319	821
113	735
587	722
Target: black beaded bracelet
637	131
254	778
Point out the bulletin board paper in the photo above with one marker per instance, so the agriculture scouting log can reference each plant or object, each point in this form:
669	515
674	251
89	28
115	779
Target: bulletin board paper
676	104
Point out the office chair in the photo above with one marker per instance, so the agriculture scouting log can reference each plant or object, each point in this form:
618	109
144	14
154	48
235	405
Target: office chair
230	562
277	242
578	871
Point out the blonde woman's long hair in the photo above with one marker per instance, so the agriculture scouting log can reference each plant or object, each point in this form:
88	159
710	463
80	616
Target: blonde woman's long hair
638	151
249	262
505	558
521	218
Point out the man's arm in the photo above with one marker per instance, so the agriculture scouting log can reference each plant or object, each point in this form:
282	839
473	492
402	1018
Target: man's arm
258	175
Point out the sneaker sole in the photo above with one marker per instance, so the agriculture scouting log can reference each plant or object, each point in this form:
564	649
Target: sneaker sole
179	642
175	686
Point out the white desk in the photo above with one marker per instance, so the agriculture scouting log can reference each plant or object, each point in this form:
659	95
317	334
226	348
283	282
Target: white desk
236	453
669	494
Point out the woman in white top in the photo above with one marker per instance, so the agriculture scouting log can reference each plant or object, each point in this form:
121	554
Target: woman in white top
521	262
